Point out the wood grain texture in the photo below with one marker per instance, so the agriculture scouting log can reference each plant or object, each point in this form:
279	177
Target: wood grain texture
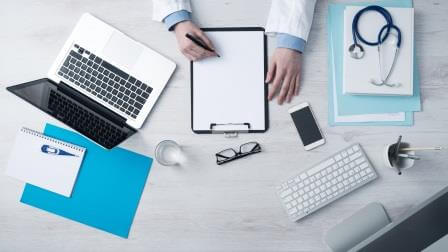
201	206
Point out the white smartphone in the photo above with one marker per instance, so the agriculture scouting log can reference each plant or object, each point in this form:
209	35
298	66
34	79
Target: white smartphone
306	125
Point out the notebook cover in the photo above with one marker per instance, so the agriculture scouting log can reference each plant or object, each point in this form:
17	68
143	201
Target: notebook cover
44	161
107	192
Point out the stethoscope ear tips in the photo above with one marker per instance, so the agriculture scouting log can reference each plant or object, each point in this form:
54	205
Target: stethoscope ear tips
356	51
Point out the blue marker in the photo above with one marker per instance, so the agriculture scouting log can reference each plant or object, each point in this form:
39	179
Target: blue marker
54	151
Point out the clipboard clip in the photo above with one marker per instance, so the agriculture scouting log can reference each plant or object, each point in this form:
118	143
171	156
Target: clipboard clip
230	130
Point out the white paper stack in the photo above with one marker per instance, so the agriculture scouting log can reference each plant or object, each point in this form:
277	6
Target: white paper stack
358	73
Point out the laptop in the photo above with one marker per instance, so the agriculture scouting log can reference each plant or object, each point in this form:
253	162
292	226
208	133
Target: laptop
102	84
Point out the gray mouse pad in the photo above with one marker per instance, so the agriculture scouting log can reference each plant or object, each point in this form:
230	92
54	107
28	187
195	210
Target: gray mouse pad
357	228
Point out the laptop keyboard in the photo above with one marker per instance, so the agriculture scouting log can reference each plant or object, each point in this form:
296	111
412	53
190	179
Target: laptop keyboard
105	81
84	121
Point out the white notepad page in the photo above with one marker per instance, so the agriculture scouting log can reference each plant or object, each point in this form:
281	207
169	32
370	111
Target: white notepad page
230	89
357	73
34	160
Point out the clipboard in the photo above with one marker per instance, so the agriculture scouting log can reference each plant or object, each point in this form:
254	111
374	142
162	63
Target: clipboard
228	93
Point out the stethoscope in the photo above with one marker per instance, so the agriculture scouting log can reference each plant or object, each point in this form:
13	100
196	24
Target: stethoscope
357	51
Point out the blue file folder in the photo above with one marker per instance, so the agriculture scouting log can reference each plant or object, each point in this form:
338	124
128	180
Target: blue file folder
351	104
107	191
355	104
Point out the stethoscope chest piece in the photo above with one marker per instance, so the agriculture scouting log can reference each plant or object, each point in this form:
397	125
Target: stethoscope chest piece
356	51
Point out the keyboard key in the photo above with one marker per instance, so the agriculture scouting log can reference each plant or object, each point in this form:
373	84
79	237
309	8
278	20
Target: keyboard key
285	193
114	70
320	166
360	160
138	105
140	99
75	55
355	156
64	70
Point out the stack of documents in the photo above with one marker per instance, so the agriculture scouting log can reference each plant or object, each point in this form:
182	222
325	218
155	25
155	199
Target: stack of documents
346	109
359	72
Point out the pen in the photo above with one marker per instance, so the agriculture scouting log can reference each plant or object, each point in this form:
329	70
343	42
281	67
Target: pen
414	157
422	148
199	43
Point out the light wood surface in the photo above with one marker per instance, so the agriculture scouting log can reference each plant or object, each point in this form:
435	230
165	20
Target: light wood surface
201	206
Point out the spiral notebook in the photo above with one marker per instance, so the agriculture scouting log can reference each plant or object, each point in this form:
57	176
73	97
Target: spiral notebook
45	162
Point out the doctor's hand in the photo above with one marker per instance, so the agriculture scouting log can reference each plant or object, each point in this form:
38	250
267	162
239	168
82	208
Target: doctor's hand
192	51
284	74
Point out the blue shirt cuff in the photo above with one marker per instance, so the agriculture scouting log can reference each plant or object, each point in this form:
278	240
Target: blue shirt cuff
291	42
176	17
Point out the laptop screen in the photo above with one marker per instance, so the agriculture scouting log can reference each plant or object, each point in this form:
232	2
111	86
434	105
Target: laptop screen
76	111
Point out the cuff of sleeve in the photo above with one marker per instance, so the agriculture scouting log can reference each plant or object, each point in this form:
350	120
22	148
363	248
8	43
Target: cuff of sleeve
291	42
176	17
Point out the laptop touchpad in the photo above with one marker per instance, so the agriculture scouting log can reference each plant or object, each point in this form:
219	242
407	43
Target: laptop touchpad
122	51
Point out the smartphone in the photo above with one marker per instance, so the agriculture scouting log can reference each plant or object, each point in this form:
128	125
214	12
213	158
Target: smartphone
306	125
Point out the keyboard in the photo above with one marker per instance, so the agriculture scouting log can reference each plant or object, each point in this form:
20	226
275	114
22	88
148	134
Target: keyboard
336	176
105	81
84	121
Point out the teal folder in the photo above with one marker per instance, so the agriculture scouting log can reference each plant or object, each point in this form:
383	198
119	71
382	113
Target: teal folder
335	15
107	191
356	104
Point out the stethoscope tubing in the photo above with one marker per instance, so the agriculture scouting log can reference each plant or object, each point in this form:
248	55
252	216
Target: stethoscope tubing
386	28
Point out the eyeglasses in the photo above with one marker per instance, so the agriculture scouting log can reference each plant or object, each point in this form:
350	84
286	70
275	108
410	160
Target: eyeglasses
230	154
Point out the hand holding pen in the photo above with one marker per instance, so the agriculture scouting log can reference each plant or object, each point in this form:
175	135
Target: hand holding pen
199	43
192	50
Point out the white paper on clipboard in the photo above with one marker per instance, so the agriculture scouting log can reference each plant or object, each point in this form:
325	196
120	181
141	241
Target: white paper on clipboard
230	91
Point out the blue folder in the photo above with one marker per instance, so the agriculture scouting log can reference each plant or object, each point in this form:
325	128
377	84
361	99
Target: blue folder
107	191
335	15
356	104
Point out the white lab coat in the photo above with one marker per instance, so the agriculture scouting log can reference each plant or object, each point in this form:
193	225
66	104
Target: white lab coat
293	17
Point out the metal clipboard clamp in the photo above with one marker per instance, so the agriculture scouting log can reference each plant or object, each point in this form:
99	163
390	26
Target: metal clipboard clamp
230	130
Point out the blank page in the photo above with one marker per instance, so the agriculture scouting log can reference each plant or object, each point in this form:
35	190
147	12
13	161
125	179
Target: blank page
230	89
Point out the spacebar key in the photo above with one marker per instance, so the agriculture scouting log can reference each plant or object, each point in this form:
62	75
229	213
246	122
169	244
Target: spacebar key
320	166
115	70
